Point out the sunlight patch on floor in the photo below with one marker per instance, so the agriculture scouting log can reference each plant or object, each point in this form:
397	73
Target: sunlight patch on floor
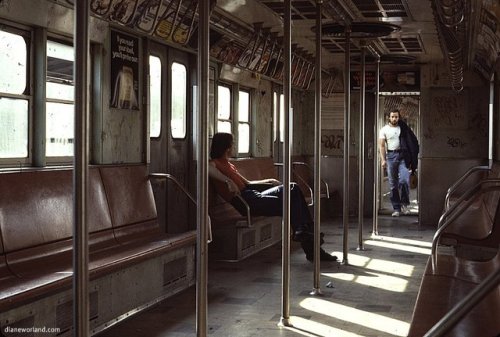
397	246
374	273
311	328
411	242
379	265
381	281
391	267
355	316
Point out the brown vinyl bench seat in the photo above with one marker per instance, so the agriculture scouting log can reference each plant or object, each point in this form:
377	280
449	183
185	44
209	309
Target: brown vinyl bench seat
235	237
470	219
442	289
36	220
471	177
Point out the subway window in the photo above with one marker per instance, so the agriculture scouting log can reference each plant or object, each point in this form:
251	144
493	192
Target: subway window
244	122
154	96
14	103
178	119
224	109
60	108
279	117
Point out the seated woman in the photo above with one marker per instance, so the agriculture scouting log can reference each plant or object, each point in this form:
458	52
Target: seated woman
266	202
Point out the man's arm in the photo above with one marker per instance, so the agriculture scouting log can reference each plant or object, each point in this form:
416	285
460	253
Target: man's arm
381	147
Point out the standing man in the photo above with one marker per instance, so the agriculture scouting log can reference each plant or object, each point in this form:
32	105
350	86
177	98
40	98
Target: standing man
398	148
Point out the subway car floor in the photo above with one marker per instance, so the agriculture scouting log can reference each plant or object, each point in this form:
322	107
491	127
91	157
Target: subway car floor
372	296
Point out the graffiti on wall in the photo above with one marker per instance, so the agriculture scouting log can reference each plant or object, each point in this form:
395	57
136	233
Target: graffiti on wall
332	142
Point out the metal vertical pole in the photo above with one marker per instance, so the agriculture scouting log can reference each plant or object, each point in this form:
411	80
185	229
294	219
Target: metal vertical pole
287	90
376	164
317	151
361	187
491	119
347	140
202	170
80	174
39	95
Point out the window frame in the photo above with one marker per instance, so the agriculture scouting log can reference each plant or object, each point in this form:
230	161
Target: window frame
58	160
162	100
230	120
249	122
27	34
185	100
278	115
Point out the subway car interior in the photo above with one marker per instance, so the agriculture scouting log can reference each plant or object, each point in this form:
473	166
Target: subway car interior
118	217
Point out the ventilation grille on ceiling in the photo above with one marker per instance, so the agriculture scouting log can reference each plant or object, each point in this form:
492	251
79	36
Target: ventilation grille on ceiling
381	8
301	10
403	44
226	25
336	45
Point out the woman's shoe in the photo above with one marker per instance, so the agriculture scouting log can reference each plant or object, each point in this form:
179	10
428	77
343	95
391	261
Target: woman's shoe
302	236
305	236
323	255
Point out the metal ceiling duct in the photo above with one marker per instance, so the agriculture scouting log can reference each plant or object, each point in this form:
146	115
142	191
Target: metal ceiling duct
363	30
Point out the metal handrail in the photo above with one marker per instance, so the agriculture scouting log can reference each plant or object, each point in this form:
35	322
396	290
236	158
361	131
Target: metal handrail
170	177
468	194
450	215
453	19
460	180
249	216
465	305
247	207
327	188
311	203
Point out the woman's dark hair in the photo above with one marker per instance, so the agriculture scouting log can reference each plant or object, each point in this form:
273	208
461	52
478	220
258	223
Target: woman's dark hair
220	143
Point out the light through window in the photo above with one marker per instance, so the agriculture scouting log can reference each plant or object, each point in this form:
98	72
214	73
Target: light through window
60	109
179	100
244	122
14	108
279	118
154	96
223	109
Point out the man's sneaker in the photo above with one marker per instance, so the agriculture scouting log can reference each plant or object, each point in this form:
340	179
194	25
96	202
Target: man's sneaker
405	210
395	213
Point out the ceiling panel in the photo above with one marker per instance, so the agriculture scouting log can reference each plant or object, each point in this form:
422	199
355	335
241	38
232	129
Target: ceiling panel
301	9
403	44
381	8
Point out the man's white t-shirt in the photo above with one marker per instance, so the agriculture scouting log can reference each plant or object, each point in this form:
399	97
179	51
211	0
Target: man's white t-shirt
391	135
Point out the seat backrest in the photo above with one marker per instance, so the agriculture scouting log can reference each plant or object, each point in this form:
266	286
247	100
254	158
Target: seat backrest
251	168
301	174
130	198
256	168
2	252
36	207
221	211
492	198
